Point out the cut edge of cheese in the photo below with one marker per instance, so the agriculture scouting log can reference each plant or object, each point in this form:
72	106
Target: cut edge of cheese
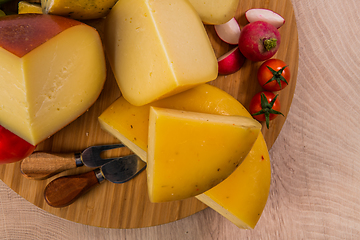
108	127
197	151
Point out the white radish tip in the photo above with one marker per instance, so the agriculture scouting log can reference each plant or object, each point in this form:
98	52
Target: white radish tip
265	15
230	62
229	32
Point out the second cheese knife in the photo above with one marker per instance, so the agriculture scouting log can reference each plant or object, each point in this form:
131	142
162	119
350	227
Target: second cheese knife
65	190
42	165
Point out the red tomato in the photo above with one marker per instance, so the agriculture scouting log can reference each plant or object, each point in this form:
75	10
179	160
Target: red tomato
273	75
12	147
265	106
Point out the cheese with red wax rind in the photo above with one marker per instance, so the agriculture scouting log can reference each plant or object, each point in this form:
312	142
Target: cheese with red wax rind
52	70
157	49
191	152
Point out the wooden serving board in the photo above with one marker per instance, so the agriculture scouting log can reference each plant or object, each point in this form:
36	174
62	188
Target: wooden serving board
127	205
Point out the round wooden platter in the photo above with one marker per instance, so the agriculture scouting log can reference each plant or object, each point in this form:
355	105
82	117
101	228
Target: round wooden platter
126	205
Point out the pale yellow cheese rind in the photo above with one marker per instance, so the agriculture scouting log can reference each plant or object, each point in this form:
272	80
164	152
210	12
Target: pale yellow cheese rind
165	50
52	85
215	12
191	152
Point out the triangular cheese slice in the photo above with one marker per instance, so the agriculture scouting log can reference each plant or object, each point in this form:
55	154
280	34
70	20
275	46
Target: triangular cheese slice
190	152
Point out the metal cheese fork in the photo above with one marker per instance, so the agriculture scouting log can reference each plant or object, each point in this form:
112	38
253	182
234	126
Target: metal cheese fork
42	165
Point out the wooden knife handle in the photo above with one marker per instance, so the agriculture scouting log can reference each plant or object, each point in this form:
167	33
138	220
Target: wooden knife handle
65	190
42	165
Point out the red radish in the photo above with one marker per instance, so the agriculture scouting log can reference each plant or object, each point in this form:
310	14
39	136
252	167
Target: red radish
259	41
230	62
229	32
265	15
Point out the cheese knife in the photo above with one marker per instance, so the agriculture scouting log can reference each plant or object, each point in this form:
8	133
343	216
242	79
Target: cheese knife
42	165
65	190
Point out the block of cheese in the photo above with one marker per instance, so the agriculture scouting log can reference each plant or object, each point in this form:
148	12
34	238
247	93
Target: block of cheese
130	125
215	12
157	48
27	7
52	70
241	197
78	9
191	152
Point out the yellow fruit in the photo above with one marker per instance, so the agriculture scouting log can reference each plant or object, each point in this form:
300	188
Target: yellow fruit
78	9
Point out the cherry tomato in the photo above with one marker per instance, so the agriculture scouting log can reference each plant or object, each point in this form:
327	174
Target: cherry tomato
273	75
265	106
12	147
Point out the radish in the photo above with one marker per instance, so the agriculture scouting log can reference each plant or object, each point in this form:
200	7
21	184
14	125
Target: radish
266	15
230	62
229	32
259	41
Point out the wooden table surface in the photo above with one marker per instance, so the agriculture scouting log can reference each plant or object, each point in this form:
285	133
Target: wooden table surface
315	191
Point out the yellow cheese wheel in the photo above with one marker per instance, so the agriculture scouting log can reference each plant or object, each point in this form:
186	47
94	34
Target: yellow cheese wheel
130	124
190	152
249	184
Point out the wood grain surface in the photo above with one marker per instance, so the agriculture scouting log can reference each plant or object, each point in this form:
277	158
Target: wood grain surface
127	205
315	168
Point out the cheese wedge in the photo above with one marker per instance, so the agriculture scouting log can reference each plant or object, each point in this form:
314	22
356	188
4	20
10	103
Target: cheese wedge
78	9
191	152
215	12
27	7
157	48
52	70
130	125
241	197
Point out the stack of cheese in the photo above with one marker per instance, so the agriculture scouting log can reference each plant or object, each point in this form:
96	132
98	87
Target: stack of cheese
179	168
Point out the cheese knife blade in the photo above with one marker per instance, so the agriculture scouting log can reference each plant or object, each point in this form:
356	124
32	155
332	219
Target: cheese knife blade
42	165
